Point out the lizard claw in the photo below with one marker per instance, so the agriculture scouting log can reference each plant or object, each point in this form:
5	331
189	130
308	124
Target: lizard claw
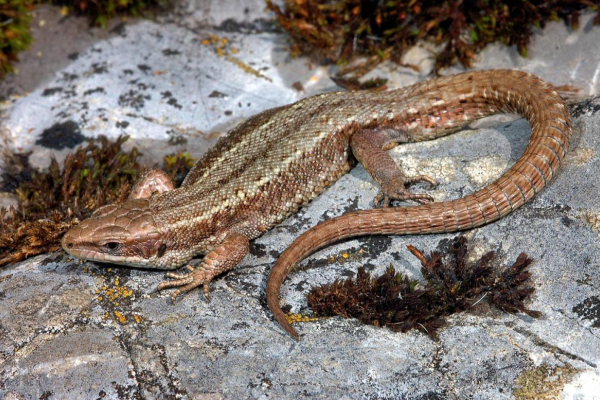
186	282
395	189
222	258
384	201
206	288
421	178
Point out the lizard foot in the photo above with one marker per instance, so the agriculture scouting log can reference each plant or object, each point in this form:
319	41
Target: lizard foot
396	189
186	282
222	258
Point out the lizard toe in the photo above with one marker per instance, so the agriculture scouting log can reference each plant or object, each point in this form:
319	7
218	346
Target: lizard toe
396	189
186	282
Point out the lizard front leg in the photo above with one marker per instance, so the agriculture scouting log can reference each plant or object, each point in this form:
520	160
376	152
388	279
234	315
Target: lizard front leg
222	258
369	147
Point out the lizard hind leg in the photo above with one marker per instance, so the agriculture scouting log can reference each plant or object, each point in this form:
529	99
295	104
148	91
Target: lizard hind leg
369	147
221	259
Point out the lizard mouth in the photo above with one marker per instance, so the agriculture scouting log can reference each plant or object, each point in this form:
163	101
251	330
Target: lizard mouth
90	251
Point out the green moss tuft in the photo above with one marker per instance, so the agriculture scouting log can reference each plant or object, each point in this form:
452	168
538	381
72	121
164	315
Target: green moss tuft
544	382
100	11
15	34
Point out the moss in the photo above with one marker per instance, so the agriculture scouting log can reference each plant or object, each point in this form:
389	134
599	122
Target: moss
178	165
338	31
543	382
15	34
50	202
100	11
452	284
15	20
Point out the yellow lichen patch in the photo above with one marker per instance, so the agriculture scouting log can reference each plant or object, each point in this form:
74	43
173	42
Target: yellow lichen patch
351	255
581	155
543	382
292	318
116	296
246	68
118	292
223	48
120	317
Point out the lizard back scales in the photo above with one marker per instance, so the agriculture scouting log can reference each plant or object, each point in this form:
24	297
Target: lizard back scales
486	92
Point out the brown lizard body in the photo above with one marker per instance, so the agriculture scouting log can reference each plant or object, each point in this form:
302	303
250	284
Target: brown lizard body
270	165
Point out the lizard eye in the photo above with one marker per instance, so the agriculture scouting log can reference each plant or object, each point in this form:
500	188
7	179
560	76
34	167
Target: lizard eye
161	250
112	246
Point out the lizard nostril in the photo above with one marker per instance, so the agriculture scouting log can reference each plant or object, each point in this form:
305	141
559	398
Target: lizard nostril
70	245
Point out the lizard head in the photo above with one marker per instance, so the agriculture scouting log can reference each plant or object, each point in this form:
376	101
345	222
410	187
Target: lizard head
124	234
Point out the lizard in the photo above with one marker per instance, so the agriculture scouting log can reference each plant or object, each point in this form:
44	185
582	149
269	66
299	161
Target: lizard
267	167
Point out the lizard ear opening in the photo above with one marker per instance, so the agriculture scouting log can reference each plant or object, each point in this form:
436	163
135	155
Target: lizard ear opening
161	250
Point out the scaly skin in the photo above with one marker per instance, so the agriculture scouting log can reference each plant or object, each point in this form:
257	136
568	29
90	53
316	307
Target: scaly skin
270	165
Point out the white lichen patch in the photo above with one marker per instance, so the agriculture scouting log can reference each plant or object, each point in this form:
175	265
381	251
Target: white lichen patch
485	170
581	155
592	217
440	169
585	386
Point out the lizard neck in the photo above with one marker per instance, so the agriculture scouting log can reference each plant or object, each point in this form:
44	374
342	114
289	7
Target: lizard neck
187	223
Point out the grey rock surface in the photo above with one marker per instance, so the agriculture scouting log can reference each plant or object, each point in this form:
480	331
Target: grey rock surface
81	330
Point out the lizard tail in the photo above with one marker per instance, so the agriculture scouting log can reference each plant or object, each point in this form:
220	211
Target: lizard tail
516	92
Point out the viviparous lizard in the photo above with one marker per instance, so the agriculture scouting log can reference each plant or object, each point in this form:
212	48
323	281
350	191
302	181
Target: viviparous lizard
273	163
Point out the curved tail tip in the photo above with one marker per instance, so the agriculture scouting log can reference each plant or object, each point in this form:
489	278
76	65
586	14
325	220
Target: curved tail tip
282	320
287	326
280	317
292	332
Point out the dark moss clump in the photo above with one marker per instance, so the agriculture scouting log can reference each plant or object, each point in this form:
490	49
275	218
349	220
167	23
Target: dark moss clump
452	284
50	202
340	30
100	11
15	34
177	166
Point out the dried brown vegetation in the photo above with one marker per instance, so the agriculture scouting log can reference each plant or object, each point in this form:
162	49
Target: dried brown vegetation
452	284
339	30
50	202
